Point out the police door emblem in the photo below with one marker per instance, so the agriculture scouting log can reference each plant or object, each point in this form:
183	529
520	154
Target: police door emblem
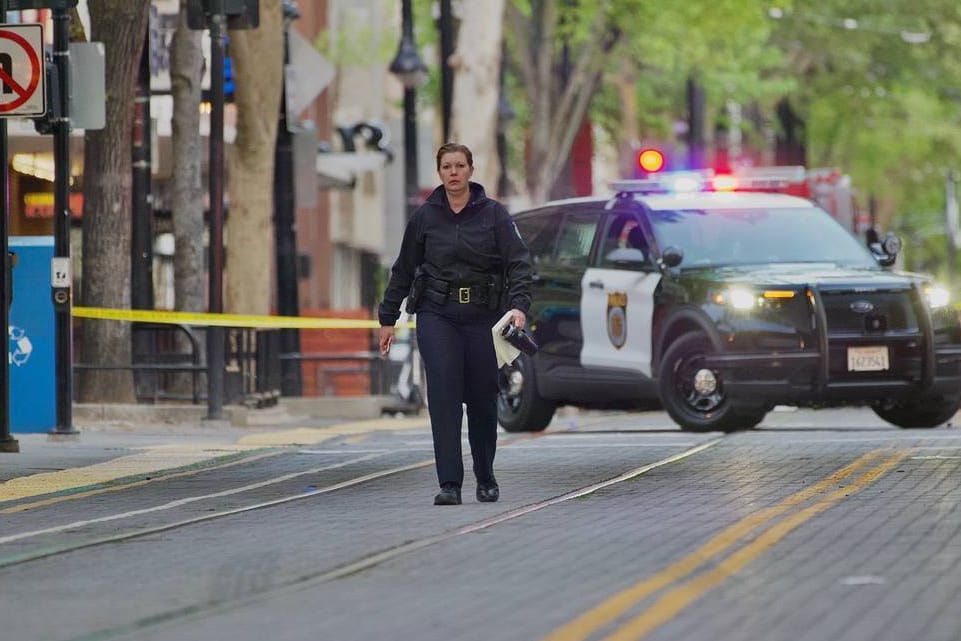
617	319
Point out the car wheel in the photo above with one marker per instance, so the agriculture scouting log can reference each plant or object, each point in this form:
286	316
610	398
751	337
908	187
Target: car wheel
519	407
926	412
693	395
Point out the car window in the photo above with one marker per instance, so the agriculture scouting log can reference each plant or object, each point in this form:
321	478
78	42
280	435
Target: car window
539	232
758	236
576	237
624	245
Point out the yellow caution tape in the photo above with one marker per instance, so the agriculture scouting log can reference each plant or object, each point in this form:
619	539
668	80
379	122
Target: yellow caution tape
224	320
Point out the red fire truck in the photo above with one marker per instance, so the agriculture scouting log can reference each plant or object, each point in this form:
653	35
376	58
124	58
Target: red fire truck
829	188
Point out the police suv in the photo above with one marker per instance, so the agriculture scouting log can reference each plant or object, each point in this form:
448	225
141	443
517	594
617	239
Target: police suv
716	299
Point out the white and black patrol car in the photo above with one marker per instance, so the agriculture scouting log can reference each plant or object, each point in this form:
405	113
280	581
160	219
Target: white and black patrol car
717	305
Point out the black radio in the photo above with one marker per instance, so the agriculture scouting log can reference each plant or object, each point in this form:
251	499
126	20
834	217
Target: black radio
520	339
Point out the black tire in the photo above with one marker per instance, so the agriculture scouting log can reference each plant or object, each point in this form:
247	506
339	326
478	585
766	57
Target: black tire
519	407
694	411
924	413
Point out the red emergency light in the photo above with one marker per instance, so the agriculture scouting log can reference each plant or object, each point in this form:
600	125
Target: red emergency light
650	160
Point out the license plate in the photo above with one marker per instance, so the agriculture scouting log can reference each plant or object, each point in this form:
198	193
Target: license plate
867	359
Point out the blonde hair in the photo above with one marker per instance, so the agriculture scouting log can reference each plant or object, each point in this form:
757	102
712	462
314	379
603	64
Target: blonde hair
453	147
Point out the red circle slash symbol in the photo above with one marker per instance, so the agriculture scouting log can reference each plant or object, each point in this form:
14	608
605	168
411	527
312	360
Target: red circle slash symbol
23	93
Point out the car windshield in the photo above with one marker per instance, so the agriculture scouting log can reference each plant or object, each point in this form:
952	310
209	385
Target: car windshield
763	235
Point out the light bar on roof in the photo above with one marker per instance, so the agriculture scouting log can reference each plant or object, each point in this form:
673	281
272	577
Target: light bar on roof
744	179
668	182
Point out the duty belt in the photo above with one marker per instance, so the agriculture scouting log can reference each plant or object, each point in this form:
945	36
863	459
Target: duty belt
478	294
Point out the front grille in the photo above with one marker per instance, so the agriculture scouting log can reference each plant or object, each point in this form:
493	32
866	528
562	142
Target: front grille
892	311
860	319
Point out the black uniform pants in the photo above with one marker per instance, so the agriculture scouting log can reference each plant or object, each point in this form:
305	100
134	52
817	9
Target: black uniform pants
457	349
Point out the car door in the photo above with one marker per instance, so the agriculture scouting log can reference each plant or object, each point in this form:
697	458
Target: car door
559	239
617	296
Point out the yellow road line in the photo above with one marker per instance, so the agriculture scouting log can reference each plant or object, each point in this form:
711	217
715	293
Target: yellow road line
608	610
674	601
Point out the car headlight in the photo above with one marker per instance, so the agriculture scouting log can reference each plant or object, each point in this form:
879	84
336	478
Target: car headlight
737	297
937	296
744	299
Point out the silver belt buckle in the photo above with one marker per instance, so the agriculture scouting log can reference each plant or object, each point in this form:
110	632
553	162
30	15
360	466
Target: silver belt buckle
463	295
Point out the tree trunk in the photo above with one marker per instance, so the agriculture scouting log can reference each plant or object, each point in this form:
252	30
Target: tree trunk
258	58
559	84
477	62
122	26
187	192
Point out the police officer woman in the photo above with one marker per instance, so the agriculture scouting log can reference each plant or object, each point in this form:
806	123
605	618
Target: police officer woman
462	264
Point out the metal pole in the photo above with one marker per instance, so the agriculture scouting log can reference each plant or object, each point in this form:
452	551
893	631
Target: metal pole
141	281
141	224
446	28
7	442
215	335
411	190
410	152
61	223
285	241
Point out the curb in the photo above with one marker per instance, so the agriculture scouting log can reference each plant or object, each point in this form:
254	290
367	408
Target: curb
285	411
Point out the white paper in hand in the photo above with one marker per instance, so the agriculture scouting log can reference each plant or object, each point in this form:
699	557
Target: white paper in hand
506	353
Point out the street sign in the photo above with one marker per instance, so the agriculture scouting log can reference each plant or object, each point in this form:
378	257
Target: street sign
306	76
22	71
19	5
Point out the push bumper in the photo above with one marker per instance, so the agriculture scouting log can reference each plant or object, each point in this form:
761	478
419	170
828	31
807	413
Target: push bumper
810	377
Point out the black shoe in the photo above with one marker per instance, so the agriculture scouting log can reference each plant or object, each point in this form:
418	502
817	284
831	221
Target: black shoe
488	492
448	495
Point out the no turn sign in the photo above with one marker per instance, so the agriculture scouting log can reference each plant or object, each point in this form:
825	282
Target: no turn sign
22	74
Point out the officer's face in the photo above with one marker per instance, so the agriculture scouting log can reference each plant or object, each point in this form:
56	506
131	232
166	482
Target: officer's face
455	172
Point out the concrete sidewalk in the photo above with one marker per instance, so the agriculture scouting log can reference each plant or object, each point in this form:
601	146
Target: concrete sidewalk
119	444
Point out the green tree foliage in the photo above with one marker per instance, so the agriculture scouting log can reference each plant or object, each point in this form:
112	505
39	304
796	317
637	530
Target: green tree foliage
875	84
724	44
879	86
881	91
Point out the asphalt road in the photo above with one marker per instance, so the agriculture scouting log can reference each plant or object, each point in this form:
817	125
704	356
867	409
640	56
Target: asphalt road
616	526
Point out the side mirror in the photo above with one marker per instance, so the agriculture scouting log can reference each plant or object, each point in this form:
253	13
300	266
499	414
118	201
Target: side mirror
886	250
891	244
671	257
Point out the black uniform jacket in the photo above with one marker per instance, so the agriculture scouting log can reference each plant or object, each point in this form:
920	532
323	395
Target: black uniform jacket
462	249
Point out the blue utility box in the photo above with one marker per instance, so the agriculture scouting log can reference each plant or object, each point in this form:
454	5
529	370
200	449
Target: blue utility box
32	337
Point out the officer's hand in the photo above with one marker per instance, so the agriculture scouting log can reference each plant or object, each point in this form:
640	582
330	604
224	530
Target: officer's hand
386	338
518	318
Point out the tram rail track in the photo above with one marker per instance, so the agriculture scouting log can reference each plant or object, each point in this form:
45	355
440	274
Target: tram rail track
350	566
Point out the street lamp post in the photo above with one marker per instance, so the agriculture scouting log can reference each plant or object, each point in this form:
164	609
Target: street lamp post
408	66
412	72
